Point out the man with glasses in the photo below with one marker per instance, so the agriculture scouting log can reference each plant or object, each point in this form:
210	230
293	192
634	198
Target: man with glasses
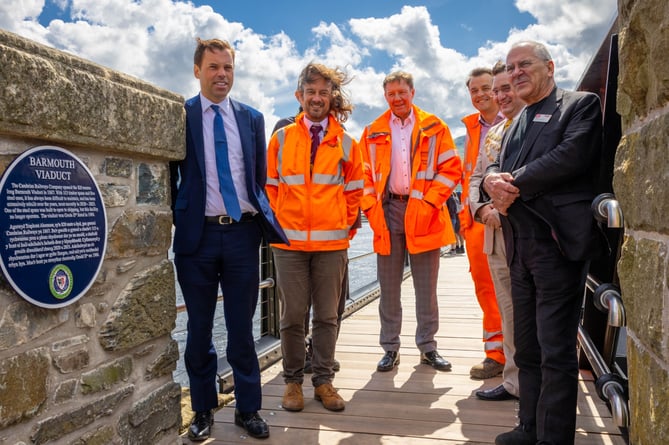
543	185
510	106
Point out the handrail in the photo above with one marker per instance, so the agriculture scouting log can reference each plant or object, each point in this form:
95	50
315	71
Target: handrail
606	208
607	299
608	385
361	256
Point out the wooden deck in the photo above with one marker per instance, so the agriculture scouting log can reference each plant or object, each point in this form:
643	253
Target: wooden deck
413	404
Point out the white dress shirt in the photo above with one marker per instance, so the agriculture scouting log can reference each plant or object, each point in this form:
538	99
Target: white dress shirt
215	205
399	180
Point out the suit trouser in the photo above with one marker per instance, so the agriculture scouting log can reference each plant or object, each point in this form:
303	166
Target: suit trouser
390	271
228	255
305	278
485	292
547	293
499	270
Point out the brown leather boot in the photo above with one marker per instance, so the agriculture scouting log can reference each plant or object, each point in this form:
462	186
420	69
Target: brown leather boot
487	369
293	400
326	394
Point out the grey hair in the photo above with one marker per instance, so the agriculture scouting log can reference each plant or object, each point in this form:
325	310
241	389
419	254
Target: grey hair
539	49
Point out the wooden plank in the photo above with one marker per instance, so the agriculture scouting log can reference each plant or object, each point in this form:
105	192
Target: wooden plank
413	404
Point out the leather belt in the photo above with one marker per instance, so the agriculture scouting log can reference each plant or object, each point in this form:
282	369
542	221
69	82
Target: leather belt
225	219
398	197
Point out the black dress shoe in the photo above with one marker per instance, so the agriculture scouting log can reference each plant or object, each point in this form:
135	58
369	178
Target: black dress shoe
435	360
389	361
200	426
253	424
497	393
520	435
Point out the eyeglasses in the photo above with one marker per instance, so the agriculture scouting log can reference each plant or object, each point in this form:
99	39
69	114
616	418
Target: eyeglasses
522	65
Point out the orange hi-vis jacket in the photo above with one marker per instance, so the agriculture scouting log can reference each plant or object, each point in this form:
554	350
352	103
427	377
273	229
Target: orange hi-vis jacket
435	171
316	208
473	233
471	155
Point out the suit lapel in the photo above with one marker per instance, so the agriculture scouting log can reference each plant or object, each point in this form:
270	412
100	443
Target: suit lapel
243	118
505	141
549	107
194	116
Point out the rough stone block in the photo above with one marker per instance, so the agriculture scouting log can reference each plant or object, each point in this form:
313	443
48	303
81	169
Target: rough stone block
106	376
117	167
72	359
649	398
54	96
153	418
84	316
146	309
152	184
140	232
65	391
640	176
644	68
115	195
103	435
165	363
642	262
23	385
22	322
66	422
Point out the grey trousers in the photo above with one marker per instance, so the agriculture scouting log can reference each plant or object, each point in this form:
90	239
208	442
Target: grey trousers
304	278
425	272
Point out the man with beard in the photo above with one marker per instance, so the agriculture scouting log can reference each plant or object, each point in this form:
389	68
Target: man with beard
314	183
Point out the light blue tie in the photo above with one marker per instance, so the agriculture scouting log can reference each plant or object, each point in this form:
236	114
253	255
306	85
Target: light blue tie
223	167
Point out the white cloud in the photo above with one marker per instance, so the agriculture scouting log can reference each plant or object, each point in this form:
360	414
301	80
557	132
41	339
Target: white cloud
154	40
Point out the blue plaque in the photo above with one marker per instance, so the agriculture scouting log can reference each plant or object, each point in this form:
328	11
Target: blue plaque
54	226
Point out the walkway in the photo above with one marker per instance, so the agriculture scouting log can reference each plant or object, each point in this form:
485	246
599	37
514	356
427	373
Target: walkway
413	404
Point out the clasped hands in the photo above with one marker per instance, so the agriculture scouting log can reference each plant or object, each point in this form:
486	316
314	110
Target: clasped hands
501	190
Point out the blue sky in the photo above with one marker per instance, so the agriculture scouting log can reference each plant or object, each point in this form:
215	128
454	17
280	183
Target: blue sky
439	41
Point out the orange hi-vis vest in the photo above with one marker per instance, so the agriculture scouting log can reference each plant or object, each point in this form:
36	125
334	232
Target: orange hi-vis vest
435	171
315	207
472	138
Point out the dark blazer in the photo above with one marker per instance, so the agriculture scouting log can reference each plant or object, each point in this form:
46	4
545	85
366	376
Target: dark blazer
188	182
556	172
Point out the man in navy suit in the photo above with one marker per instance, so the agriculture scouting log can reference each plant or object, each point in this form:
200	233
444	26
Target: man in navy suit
215	249
544	184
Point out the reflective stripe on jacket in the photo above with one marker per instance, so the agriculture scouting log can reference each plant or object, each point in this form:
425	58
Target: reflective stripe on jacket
472	139
435	171
316	208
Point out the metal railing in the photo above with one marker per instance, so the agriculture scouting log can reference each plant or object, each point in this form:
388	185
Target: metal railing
268	346
611	386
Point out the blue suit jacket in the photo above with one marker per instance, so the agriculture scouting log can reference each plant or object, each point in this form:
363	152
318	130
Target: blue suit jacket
188	180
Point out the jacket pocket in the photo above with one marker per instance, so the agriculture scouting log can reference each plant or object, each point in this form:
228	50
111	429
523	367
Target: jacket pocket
376	218
428	220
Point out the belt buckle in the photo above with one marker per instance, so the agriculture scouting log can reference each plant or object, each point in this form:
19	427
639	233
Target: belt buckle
225	219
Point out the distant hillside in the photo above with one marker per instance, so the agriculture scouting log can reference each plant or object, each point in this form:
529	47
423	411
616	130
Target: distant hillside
460	144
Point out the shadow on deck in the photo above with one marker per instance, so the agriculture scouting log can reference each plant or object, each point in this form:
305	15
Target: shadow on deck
413	404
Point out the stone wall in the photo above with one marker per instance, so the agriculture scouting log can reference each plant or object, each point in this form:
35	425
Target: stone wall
641	183
99	370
